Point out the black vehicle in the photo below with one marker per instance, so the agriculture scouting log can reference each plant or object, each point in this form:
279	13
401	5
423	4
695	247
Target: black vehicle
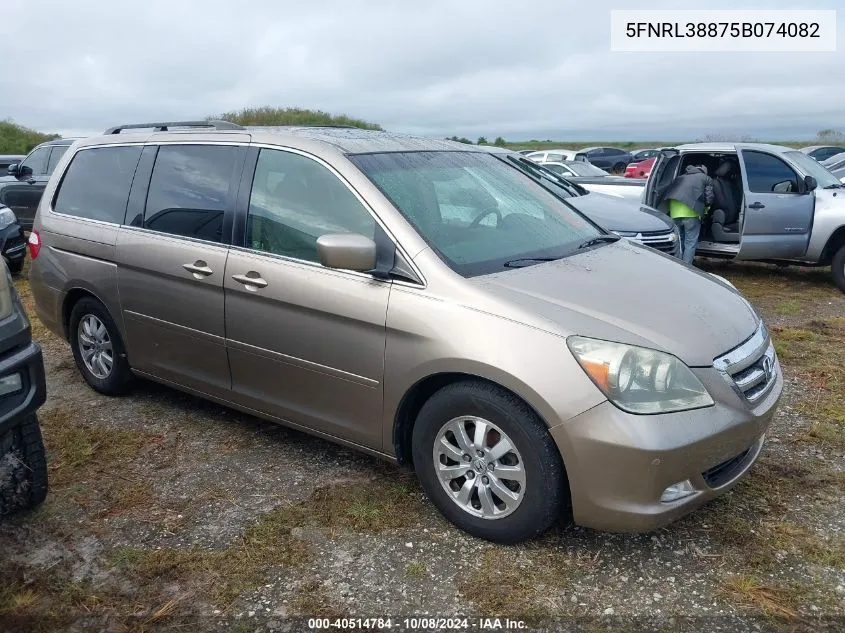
9	159
12	240
23	466
21	189
610	159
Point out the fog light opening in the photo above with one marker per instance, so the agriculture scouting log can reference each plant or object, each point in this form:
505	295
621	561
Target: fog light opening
10	384
677	491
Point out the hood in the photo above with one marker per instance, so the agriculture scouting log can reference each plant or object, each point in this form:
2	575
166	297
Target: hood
631	294
696	169
620	214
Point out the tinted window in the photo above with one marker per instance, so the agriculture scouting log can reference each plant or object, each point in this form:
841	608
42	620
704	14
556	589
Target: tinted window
97	182
827	152
189	190
768	174
57	153
37	160
612	151
294	201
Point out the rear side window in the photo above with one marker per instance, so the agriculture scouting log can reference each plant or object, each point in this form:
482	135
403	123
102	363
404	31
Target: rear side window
96	185
55	156
189	190
768	174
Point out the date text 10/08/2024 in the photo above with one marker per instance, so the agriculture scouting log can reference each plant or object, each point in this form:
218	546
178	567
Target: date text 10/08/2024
723	29
410	624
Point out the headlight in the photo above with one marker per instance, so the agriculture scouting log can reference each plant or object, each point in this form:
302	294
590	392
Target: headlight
639	380
7	217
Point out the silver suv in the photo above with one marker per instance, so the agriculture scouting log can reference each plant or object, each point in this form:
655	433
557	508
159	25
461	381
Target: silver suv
424	301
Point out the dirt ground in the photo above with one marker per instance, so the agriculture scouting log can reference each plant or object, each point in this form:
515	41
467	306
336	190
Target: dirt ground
169	513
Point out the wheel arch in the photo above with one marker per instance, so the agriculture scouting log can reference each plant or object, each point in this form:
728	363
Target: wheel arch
72	297
834	243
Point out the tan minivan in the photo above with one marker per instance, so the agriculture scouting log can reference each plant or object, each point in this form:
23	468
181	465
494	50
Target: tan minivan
425	301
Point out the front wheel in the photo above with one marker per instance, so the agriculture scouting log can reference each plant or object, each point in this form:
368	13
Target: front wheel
837	268
23	467
488	463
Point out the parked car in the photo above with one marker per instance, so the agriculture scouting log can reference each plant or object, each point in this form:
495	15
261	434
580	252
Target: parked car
525	152
23	467
328	279
12	240
610	159
554	155
837	161
640	155
21	189
772	203
641	169
595	179
822	152
9	159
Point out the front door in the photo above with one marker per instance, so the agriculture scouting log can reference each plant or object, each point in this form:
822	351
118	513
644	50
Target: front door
306	343
23	196
778	212
171	263
662	175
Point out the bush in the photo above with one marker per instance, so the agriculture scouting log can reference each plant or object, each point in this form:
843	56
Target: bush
482	140
16	139
269	116
500	142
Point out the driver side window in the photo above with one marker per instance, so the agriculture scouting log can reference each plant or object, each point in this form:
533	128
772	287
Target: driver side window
36	161
768	174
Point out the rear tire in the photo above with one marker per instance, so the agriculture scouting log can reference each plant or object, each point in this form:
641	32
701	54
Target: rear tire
618	168
510	510
837	268
97	348
23	467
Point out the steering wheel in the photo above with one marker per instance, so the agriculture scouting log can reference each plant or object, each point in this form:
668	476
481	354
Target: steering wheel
477	220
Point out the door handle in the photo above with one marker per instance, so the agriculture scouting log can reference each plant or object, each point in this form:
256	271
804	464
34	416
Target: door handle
252	280
198	269
757	205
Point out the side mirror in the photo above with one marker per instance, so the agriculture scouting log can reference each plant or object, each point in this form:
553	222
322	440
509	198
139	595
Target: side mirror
810	183
24	171
347	251
13	169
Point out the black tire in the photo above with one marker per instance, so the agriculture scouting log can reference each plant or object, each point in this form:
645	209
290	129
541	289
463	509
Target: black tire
546	492
16	267
837	268
23	467
118	380
618	168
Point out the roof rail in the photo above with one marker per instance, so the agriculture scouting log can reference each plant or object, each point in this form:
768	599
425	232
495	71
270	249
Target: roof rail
163	126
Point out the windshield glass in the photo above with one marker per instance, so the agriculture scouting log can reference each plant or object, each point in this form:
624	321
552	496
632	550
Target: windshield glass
811	167
477	212
586	169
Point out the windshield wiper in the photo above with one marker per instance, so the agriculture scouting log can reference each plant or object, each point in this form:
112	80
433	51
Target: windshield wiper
834	186
527	261
598	240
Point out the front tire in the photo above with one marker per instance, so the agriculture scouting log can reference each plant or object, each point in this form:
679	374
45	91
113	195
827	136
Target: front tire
837	268
23	467
97	348
488	463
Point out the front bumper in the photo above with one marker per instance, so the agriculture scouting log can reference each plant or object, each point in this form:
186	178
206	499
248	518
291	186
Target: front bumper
26	361
620	464
13	244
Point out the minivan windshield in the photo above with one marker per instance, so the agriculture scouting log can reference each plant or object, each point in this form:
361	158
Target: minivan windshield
478	213
811	167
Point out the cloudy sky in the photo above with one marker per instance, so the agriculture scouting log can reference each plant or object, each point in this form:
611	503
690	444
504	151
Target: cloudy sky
519	68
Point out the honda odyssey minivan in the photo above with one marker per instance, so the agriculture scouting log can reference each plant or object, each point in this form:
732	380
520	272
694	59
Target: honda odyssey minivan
424	301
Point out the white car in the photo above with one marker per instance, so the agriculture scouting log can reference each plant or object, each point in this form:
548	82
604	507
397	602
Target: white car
555	156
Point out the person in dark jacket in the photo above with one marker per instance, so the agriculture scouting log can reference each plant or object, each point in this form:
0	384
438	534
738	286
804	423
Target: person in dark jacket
689	196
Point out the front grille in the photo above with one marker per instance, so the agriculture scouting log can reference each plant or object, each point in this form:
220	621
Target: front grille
752	368
722	473
664	241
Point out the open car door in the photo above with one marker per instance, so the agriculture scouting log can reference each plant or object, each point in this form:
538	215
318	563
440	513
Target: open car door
662	175
777	209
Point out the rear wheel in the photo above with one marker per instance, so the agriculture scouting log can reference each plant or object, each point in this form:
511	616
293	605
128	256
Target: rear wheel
23	467
619	168
97	348
837	268
488	463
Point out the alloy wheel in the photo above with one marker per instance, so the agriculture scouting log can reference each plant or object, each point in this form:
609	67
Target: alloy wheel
95	346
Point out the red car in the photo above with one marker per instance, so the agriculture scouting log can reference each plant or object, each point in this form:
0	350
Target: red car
640	170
